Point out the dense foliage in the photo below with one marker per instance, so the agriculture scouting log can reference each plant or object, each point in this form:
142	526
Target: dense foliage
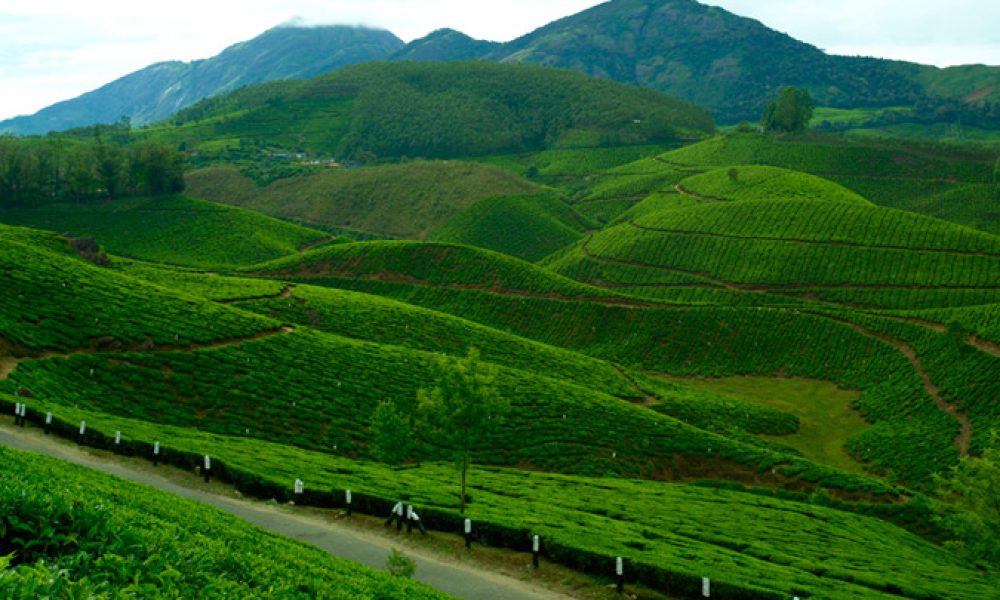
46	170
433	110
789	113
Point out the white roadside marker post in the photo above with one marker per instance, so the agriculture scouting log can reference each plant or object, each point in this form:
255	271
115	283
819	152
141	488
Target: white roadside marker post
83	431
156	454
535	548
620	574
347	498
48	422
207	470
468	534
706	587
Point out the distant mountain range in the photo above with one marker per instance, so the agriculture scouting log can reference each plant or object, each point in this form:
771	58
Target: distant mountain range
162	89
728	64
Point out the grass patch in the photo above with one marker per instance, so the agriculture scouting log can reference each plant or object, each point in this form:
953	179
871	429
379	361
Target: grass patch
825	412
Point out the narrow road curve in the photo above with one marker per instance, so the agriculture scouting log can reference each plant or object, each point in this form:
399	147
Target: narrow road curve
453	578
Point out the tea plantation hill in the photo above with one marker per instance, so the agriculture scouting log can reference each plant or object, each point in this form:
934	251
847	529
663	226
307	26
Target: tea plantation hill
429	110
177	230
110	537
689	335
528	227
408	200
160	90
149	367
954	183
244	370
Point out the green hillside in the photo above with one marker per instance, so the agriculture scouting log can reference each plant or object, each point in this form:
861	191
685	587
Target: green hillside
404	201
429	264
765	183
177	230
431	110
114	538
851	254
528	227
950	183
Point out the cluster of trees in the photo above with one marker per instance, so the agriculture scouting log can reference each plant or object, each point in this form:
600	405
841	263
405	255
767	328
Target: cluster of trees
790	112
62	169
459	413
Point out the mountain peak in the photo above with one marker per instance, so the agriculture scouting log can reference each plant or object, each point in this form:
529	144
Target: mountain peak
290	50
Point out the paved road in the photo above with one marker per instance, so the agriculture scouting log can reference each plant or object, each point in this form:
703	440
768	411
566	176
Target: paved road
455	579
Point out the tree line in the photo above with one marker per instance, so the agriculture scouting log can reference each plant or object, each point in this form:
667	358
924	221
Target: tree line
48	170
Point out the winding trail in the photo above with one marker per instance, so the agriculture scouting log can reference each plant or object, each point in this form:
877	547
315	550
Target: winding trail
438	571
985	345
9	361
285	292
964	437
683	191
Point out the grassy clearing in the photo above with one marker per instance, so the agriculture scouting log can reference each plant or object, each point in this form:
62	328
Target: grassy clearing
826	414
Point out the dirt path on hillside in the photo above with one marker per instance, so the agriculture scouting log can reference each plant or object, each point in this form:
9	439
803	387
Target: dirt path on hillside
315	528
9	362
310	245
285	292
964	437
802	241
985	345
683	191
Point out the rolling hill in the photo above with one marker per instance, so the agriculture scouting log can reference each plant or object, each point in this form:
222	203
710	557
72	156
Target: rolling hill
430	110
176	229
528	227
283	379
409	200
162	89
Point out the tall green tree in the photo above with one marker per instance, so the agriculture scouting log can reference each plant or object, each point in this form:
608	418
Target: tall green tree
790	112
462	409
392	433
973	487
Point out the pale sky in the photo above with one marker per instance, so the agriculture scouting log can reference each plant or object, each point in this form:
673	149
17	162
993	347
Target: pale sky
52	50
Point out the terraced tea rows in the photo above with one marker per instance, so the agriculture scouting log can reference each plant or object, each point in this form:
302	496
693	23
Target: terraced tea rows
175	230
799	247
586	522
